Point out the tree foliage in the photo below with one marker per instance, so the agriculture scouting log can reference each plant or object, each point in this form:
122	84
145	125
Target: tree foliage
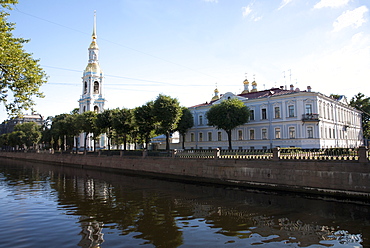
362	103
122	123
31	131
20	75
167	113
228	115
145	122
186	122
104	122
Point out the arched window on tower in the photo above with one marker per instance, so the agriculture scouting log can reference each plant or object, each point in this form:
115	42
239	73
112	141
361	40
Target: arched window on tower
96	109
96	87
84	109
85	88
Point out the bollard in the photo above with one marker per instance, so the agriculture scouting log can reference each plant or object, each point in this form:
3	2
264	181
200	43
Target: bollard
276	154
216	153
362	154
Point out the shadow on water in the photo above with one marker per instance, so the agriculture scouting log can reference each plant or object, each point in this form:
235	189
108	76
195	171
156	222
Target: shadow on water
158	213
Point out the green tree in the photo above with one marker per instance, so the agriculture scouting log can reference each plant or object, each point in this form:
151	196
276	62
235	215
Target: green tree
86	123
185	123
228	115
4	140
64	129
167	113
104	122
20	75
31	131
122	123
145	122
362	103
16	138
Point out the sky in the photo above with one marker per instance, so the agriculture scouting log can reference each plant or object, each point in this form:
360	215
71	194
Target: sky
187	48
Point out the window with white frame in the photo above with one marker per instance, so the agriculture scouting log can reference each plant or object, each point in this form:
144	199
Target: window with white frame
264	133
251	115
277	133
192	137
309	132
308	109
292	132
277	112
263	114
251	134
240	134
209	136
201	120
200	136
219	136
291	111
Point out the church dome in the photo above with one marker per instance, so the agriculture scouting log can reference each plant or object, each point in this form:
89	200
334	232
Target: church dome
93	45
246	81
93	67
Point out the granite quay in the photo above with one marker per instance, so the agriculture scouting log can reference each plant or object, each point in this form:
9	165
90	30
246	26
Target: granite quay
343	173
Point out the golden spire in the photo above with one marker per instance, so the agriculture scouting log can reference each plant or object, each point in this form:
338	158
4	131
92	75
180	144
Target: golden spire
215	97
94	36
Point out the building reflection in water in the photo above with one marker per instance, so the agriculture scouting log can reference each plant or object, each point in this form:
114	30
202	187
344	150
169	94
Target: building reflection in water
159	212
92	236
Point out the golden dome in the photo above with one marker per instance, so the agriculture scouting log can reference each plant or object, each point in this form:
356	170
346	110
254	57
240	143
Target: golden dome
246	81
215	97
93	45
254	83
93	67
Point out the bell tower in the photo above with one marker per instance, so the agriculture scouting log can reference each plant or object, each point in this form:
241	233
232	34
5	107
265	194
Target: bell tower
92	80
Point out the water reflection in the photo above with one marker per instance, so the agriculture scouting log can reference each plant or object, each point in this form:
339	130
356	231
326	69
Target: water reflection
114	210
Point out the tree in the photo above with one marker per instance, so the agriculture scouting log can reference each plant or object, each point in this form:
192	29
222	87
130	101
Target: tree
86	123
145	122
122	124
185	123
20	75
104	122
362	103
228	115
31	133
167	113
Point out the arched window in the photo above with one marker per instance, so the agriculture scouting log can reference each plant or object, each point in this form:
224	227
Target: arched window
96	109
96	87
85	88
84	109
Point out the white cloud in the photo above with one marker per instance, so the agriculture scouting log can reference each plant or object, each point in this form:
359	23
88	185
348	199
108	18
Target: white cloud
246	10
284	3
353	18
331	3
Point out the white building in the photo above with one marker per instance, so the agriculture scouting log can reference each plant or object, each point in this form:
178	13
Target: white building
281	118
92	89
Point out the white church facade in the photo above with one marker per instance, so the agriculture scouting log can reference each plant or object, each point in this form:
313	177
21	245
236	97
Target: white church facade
92	91
281	118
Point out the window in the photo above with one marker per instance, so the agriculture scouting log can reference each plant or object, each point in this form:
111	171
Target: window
264	133
277	133
200	120
96	109
209	136
309	132
219	136
329	133
291	111
192	137
251	117
96	87
264	114
240	134
200	136
308	109
85	88
251	134
291	132
277	112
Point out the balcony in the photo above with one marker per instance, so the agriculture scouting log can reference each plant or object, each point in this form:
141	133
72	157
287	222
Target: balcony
310	117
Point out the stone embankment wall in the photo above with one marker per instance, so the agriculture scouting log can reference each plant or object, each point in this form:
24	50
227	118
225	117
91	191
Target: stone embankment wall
342	178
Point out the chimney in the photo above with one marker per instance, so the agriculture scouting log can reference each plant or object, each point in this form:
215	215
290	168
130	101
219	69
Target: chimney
291	87
309	88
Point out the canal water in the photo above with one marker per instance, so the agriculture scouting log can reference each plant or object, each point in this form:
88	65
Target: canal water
44	205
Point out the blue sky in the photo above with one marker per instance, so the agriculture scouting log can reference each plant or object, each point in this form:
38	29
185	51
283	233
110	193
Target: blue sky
184	48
